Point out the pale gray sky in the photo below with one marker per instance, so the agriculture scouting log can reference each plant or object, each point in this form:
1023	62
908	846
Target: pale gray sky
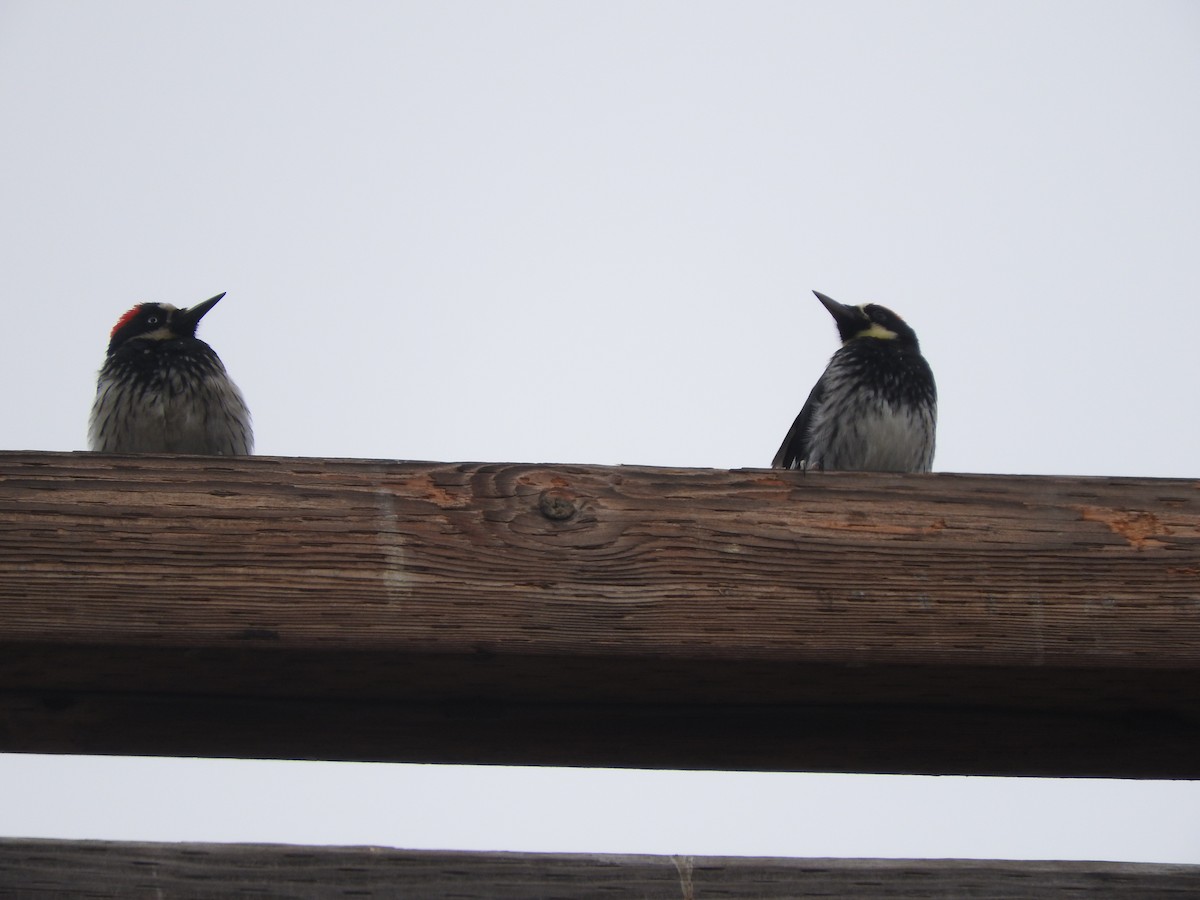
587	232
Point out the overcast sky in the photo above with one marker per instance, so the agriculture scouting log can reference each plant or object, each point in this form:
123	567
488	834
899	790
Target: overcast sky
587	232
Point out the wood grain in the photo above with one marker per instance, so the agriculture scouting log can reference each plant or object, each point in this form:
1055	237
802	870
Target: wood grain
95	869
882	620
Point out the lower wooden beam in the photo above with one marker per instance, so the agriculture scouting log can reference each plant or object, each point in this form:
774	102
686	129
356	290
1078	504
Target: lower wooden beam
101	869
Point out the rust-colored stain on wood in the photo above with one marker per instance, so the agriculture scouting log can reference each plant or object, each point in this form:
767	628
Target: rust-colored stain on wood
1139	528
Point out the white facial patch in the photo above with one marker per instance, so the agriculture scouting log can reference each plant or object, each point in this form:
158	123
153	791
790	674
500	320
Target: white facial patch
875	330
162	333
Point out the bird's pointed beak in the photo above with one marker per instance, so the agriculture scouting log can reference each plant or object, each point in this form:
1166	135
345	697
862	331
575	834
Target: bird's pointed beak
841	313
193	314
850	320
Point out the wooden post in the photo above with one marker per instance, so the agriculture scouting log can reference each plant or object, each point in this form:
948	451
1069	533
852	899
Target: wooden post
587	615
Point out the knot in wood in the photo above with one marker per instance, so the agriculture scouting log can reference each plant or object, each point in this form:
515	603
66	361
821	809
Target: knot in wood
557	505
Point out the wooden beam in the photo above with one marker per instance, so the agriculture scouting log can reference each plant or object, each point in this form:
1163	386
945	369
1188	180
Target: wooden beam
584	615
100	869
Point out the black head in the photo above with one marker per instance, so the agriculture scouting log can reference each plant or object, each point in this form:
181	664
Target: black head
159	322
868	322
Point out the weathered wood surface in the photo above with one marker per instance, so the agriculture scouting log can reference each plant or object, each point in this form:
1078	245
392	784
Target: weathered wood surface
99	869
600	616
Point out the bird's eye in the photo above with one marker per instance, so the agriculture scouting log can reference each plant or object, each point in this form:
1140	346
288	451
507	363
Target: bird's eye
153	320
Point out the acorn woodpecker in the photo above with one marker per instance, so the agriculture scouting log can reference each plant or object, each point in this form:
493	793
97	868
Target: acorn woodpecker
875	407
163	390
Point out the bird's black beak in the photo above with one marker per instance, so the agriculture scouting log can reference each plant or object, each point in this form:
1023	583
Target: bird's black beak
842	314
850	319
193	314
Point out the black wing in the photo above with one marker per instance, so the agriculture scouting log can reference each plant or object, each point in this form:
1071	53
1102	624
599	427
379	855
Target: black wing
794	450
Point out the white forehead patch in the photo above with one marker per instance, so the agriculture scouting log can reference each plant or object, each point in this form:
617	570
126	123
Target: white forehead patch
163	332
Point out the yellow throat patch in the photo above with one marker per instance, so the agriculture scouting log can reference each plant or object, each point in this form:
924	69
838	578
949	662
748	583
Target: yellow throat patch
877	331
